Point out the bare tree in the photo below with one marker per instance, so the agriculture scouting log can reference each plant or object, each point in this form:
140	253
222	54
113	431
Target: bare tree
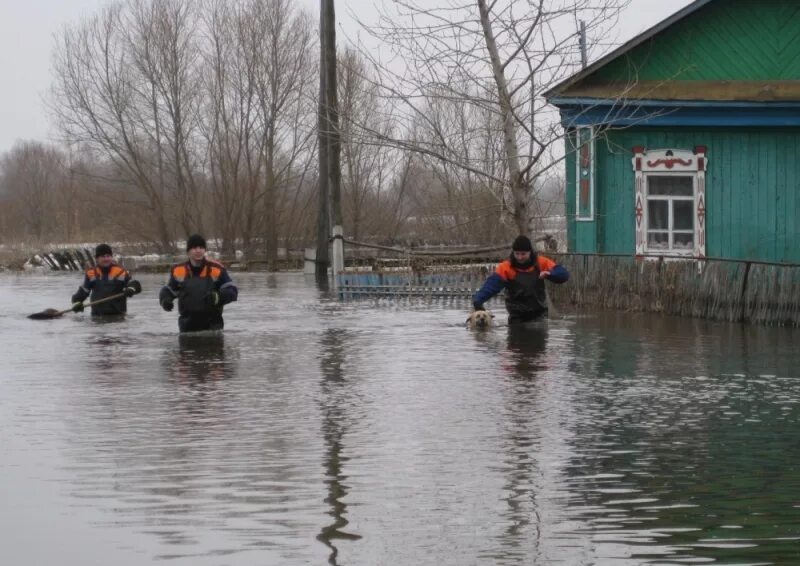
161	38
284	36
31	176
497	57
230	118
193	104
469	200
72	213
50	194
366	166
256	119
124	88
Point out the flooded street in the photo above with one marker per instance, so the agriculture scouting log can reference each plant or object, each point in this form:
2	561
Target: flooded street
382	432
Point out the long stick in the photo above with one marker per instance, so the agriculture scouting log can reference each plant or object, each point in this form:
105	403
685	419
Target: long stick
53	313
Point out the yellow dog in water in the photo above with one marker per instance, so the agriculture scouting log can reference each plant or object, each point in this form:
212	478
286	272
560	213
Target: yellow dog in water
480	320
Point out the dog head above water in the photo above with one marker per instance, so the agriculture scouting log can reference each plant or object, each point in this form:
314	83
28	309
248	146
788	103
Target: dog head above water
480	320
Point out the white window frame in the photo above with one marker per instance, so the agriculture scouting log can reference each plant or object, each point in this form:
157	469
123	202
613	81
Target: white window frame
668	162
584	171
671	220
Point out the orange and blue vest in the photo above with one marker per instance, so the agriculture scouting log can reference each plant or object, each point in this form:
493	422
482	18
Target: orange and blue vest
99	283
526	295
194	287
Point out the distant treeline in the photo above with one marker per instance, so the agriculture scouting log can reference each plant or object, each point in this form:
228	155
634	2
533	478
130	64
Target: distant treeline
183	116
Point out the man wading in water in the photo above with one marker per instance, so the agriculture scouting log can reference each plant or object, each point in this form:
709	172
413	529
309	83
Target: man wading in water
522	276
106	279
202	287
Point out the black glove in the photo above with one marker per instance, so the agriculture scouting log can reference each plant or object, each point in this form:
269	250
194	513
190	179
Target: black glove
133	288
167	305
212	299
77	306
478	306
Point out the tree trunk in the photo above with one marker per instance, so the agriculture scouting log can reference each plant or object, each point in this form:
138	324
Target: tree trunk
517	182
271	240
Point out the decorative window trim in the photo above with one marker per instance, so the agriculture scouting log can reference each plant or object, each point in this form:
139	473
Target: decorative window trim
670	162
584	174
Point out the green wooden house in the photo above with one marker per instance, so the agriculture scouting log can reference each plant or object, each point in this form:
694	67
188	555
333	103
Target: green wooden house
686	140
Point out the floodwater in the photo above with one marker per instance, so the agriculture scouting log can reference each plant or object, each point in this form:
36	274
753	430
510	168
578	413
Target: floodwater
382	432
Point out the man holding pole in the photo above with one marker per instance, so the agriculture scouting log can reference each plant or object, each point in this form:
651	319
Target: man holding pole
103	281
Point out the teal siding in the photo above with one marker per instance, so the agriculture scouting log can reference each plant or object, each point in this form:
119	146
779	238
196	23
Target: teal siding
724	40
615	184
752	190
569	193
582	236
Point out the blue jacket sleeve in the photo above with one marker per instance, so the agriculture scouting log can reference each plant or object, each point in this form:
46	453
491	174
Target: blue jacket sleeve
84	290
493	285
169	292
558	274
228	292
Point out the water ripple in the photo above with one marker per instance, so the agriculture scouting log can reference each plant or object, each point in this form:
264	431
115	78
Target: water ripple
383	432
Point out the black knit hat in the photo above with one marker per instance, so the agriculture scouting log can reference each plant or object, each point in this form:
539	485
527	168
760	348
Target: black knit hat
102	249
522	244
195	241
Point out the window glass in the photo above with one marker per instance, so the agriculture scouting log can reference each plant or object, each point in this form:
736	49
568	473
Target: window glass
683	215
683	241
670	185
658	214
658	240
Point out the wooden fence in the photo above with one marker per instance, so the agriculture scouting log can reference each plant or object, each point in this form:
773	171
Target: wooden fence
712	288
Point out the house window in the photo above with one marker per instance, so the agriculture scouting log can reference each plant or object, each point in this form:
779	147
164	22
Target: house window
670	201
670	214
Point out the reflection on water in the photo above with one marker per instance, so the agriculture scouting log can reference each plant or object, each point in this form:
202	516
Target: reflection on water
526	361
334	403
383	432
200	357
526	349
680	449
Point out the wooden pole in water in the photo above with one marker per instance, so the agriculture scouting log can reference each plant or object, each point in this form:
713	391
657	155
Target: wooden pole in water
334	138
323	213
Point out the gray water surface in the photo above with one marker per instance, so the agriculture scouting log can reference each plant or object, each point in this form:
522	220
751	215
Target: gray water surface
315	431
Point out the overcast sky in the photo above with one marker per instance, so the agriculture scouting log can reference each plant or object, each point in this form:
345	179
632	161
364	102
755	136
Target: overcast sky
26	40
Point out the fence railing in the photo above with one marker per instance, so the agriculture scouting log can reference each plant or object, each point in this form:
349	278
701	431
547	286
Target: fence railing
713	288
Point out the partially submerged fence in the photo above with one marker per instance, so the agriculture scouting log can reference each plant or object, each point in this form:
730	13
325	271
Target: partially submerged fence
372	270
713	288
718	289
80	258
75	259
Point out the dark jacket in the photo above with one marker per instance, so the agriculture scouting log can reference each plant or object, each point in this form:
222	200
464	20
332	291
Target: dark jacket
201	291
99	283
526	296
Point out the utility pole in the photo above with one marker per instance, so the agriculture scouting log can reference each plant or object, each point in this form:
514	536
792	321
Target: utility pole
323	211
582	42
334	140
329	149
